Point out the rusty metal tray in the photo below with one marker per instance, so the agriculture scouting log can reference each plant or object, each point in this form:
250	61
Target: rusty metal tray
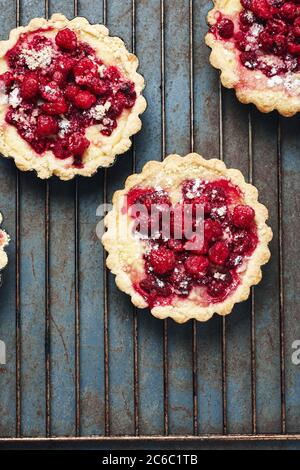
80	361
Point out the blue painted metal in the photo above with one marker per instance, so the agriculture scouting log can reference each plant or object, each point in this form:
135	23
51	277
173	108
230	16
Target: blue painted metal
252	334
7	296
150	329
291	165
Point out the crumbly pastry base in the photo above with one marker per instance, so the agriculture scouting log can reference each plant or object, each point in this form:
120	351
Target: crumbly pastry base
102	150
4	240
125	253
226	60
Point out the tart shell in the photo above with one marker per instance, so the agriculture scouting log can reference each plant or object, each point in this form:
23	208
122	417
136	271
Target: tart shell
266	100
119	253
102	155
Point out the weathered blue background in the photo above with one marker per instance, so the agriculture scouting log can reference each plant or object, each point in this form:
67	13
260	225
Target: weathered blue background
265	148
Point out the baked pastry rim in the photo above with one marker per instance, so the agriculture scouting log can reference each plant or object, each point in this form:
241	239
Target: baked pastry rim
253	272
48	165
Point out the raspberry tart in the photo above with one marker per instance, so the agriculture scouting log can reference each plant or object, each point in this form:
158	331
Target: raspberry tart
70	97
256	45
4	240
180	273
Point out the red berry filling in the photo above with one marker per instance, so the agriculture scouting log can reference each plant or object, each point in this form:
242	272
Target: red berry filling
266	34
56	88
212	263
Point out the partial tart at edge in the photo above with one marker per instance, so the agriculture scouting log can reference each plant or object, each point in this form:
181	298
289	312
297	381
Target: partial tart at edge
255	44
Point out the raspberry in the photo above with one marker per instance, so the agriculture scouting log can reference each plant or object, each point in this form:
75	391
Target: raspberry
162	260
149	197
294	48
266	41
155	287
246	18
65	63
280	44
59	107
201	201
66	39
7	78
50	92
30	86
262	9
99	87
217	288
196	265
296	28
243	216
62	67
176	245
249	59
112	74
118	103
84	71
197	245
71	91
240	41
234	260
243	241
276	26
46	125
59	77
225	28
135	194
218	253
181	281
288	11
78	143
246	4
212	230
61	149
215	195
84	99
127	94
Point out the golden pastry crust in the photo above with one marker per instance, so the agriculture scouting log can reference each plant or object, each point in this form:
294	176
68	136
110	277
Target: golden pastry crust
4	240
103	149
125	253
266	96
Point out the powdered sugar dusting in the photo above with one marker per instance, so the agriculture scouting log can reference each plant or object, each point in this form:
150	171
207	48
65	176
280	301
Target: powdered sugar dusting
64	126
38	59
289	82
220	276
98	112
14	98
101	70
274	81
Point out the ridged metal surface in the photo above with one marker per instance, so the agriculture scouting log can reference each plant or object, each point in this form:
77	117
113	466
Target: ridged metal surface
81	360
